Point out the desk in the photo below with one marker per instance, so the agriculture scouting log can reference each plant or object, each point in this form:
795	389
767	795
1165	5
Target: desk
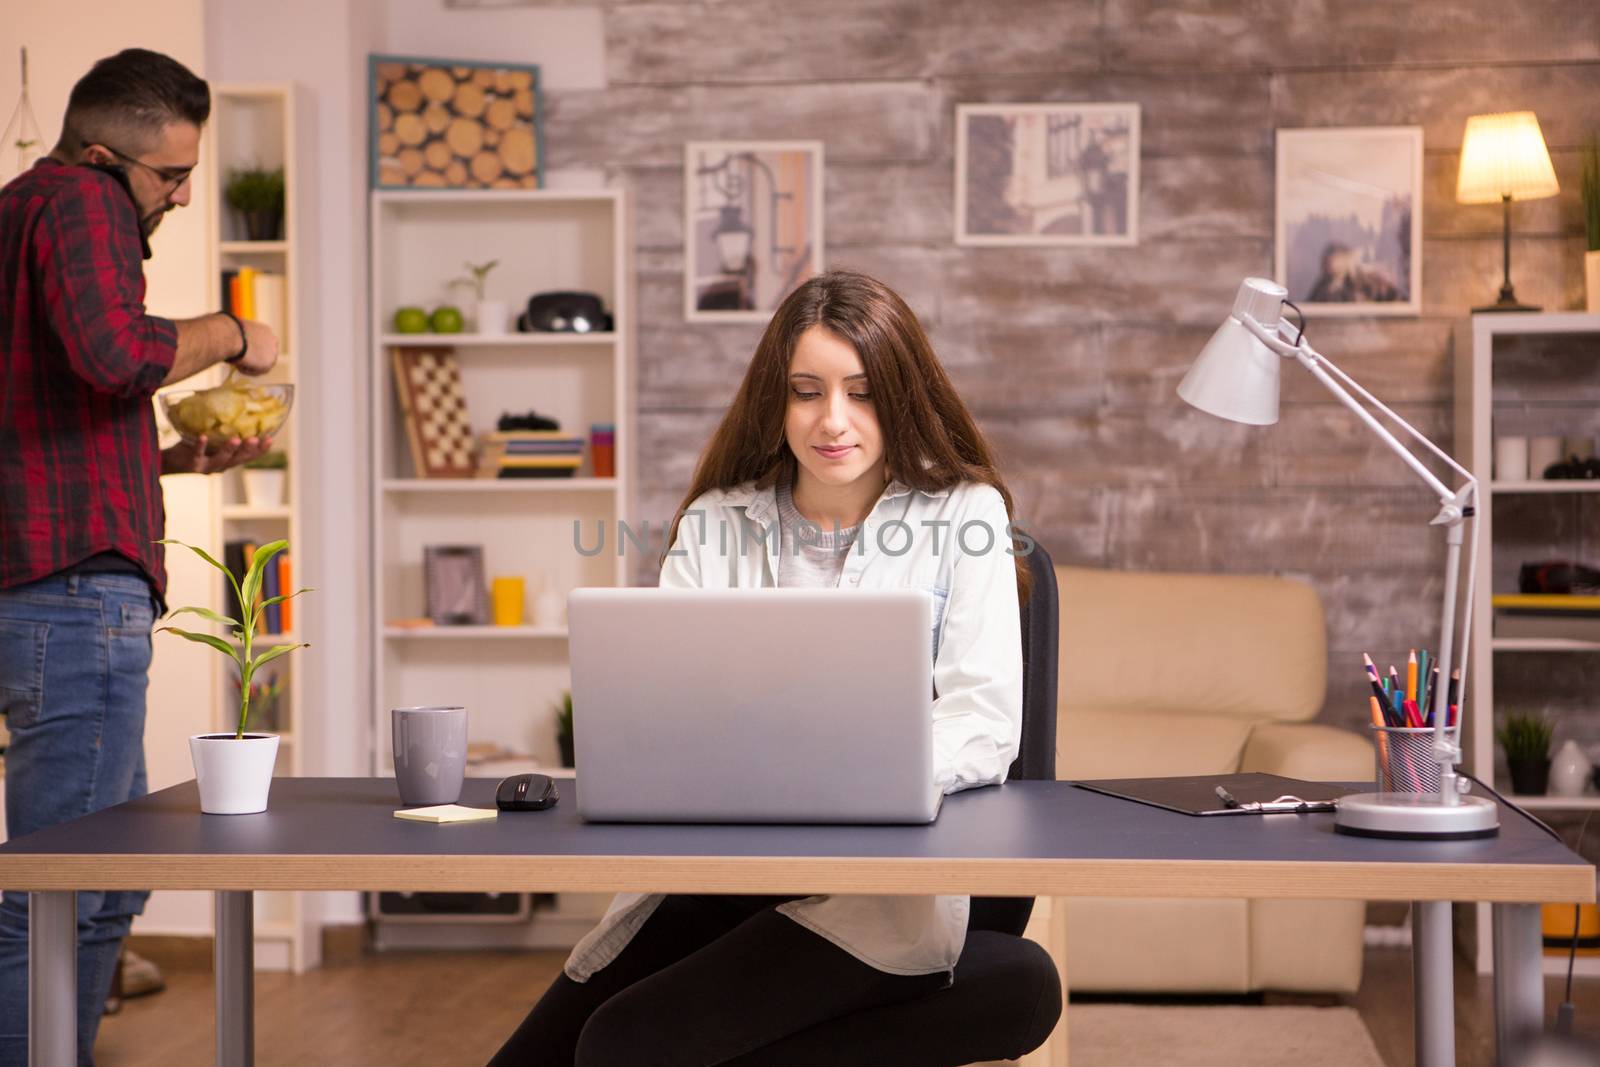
1024	839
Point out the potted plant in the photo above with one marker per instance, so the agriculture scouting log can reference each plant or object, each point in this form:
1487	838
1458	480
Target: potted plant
491	314
256	193
564	730
234	770
1526	741
265	478
1589	187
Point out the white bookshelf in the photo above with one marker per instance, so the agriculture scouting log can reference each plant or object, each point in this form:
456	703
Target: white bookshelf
1574	336
510	678
255	125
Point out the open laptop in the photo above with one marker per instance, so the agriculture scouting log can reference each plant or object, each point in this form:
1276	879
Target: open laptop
753	705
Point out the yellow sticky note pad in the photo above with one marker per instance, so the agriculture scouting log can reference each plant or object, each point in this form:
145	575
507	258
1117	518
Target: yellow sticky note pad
446	813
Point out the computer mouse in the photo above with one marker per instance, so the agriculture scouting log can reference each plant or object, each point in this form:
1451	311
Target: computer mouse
526	792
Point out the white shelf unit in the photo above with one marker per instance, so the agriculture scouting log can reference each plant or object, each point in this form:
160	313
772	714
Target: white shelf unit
1479	416
509	678
254	125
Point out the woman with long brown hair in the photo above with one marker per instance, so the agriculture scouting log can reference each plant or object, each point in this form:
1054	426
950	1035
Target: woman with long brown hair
846	459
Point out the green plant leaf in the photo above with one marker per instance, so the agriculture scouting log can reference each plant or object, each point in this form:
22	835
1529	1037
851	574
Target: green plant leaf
258	568
267	603
205	639
273	653
207	557
207	613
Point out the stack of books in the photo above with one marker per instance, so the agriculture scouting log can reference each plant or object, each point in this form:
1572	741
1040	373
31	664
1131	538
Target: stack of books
530	454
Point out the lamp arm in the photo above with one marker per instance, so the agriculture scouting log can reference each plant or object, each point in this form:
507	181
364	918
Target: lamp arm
1354	385
1319	366
1455	509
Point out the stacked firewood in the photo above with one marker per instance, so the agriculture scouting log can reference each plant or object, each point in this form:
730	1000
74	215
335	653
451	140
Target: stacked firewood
456	127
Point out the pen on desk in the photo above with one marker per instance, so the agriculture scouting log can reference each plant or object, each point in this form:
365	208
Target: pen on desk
1227	798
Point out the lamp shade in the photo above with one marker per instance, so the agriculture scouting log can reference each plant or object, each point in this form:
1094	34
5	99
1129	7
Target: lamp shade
1235	376
1504	155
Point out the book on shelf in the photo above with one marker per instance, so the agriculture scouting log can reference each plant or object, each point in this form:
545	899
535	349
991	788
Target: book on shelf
261	295
272	617
1558	616
529	454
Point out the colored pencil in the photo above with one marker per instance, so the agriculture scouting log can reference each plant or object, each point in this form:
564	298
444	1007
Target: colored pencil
1411	675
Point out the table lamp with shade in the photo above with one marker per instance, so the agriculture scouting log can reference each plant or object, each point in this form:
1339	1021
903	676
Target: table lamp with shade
1236	377
1503	158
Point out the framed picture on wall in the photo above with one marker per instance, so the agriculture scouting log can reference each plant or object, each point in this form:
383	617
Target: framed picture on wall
752	226
1348	238
1047	174
454	124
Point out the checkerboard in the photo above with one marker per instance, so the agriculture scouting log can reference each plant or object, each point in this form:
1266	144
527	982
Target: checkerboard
428	383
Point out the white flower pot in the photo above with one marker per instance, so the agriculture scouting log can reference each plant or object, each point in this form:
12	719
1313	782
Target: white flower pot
492	316
264	488
1569	770
234	775
1591	281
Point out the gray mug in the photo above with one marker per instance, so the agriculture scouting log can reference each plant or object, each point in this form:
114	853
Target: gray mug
430	754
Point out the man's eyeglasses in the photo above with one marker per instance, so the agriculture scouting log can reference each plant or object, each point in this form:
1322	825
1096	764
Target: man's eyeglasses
172	176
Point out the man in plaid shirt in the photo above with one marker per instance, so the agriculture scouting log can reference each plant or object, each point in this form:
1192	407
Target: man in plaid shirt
81	577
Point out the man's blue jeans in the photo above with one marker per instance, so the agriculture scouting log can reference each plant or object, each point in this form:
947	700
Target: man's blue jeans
74	665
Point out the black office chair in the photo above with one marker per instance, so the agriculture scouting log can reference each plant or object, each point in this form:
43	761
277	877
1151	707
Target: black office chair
1007	994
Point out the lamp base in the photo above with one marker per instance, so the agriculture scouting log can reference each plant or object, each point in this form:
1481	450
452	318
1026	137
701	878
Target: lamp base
1508	300
1505	306
1415	815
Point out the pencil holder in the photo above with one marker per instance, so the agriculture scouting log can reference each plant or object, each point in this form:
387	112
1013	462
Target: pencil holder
1404	758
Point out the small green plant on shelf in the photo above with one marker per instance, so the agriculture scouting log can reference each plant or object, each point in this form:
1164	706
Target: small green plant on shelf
564	728
1524	737
1589	187
480	277
243	629
274	460
255	189
256	193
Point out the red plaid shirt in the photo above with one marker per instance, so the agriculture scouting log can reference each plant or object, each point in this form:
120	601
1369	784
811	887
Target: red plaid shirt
80	464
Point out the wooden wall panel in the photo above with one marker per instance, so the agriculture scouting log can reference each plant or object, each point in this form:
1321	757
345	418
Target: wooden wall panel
1069	357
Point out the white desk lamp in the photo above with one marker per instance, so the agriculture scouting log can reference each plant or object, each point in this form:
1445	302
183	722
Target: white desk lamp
1236	377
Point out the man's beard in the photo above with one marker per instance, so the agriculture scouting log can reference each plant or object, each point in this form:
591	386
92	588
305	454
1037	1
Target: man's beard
150	222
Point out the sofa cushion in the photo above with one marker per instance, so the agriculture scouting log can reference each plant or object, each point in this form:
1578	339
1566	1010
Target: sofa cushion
1156	946
1115	743
1249	646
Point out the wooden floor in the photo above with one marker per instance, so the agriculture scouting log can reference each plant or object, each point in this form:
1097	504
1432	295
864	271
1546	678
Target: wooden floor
444	1008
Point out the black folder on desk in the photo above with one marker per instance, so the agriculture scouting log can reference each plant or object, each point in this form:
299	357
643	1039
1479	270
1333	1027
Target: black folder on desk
1197	795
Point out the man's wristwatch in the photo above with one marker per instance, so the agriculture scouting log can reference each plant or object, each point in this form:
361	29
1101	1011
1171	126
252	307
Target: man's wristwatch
244	341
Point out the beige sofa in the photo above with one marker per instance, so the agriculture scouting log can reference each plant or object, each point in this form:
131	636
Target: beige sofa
1173	674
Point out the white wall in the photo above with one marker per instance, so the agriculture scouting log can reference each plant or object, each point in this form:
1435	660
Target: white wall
64	38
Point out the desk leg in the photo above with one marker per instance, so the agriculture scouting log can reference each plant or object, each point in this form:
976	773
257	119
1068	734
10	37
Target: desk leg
1518	976
235	970
1433	983
52	979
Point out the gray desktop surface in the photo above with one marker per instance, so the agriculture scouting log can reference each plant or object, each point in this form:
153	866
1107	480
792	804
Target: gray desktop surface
1021	820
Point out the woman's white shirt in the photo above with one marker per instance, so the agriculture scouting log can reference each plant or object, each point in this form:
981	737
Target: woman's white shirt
955	544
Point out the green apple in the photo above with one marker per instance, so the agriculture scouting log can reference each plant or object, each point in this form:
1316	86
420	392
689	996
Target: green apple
445	319
411	320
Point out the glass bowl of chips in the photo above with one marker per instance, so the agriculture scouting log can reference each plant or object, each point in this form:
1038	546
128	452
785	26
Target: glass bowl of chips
233	409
